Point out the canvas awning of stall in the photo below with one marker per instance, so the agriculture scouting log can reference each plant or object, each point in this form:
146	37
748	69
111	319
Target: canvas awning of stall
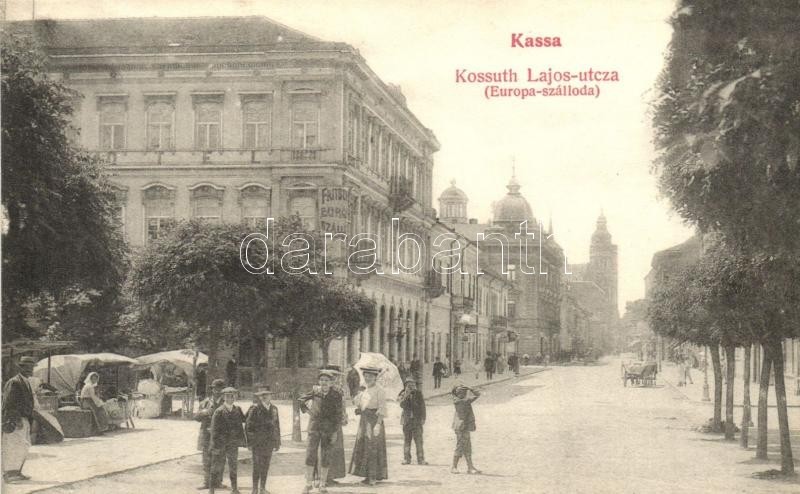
66	370
182	359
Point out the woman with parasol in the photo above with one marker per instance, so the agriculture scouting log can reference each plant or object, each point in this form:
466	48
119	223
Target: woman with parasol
369	452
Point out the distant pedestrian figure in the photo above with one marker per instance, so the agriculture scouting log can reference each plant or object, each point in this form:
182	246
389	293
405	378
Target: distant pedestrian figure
526	359
412	419
457	368
262	429
463	425
227	435
416	369
353	381
687	370
500	364
438	372
488	365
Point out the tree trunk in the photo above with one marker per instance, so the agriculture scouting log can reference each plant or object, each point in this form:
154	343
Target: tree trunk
730	368
324	346
294	355
743	439
756	364
787	463
717	424
763	393
213	370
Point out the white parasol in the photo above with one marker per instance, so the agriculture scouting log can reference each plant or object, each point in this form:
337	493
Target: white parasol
389	378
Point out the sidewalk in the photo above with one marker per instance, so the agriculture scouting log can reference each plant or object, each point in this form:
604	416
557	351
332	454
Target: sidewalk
670	374
159	440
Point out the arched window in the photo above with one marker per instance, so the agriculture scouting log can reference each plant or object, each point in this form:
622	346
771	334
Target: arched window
306	208
255	202
207	204
159	211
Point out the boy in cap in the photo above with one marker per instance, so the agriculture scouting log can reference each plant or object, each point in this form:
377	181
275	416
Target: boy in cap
325	418
207	408
412	420
226	437
262	428
18	405
463	424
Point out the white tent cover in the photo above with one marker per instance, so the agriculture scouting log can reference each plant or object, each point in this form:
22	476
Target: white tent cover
66	370
179	358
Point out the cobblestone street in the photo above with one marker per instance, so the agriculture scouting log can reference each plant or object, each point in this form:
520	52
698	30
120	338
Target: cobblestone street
568	429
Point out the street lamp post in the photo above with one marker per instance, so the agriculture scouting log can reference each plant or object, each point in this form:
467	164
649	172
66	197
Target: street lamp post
706	396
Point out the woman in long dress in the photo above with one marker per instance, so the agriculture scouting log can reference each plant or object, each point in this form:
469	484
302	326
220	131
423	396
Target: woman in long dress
91	401
369	451
338	466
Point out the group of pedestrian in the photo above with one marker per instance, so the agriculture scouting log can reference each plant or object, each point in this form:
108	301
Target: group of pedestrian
224	428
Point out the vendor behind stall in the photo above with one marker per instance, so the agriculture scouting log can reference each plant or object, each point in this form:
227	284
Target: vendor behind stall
91	401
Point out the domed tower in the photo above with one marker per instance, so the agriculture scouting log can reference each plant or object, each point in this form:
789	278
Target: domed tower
453	205
513	209
602	267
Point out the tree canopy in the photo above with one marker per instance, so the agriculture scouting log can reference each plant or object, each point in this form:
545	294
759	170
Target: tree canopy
727	121
58	203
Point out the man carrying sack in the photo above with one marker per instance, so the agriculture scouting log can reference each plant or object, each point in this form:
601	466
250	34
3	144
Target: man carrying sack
18	404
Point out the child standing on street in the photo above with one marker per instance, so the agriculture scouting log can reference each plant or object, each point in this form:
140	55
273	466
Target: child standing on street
227	435
324	405
262	428
463	424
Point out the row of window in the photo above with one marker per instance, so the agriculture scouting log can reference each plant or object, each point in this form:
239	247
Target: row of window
160	123
206	205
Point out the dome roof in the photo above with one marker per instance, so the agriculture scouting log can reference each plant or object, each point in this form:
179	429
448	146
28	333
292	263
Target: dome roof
453	193
513	207
601	234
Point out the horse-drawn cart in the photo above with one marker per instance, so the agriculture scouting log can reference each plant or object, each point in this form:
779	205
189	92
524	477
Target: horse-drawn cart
639	374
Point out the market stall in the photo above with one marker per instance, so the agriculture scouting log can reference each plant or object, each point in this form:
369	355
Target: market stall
173	377
65	374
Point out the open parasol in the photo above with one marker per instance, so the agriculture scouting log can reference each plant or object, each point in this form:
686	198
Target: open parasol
389	378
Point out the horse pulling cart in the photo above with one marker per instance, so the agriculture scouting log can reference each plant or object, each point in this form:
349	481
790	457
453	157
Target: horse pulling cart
639	374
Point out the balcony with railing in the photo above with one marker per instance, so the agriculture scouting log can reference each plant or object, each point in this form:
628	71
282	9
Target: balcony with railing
400	193
461	303
499	323
212	157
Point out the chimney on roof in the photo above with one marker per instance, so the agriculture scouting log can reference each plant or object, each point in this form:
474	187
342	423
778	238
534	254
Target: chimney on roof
473	221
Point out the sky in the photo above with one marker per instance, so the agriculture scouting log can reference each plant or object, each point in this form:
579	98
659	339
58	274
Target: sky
574	156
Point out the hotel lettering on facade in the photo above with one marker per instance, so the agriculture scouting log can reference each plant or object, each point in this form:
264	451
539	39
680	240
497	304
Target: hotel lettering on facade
242	119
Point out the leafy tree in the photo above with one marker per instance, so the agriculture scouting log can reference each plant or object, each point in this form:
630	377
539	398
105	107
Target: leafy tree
195	275
728	130
61	233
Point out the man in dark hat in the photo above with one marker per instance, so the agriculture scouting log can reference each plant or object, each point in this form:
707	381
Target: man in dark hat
325	420
18	404
227	435
263	431
207	408
412	420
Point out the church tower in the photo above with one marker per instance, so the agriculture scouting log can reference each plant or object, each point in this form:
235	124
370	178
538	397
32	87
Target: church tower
453	205
602	268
